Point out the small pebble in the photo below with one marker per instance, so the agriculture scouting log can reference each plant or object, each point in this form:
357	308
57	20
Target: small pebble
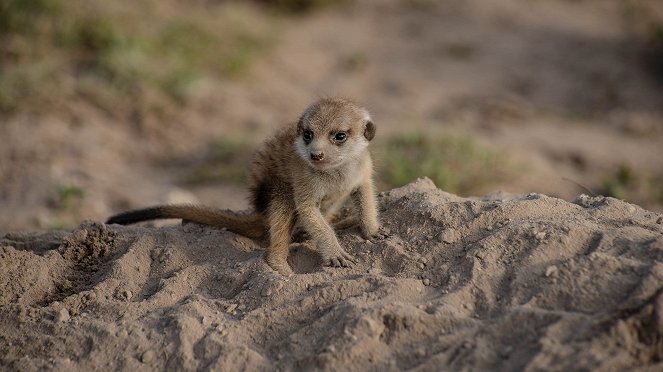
422	265
426	281
374	271
450	236
369	326
148	356
80	235
62	316
551	271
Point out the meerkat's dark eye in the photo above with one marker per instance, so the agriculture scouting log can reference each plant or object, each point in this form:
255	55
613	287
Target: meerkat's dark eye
340	137
307	135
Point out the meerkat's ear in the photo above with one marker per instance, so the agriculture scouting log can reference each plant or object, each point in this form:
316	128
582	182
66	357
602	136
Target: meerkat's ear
369	130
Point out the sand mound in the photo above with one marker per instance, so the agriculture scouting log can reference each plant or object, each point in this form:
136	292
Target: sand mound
504	282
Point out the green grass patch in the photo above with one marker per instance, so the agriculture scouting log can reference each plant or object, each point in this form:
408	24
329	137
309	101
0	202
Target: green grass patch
26	15
58	224
629	184
456	163
69	195
138	52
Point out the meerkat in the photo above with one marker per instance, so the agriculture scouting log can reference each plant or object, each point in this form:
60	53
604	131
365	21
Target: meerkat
299	177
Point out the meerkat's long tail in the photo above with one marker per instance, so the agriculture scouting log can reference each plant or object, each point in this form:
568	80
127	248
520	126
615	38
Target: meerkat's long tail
250	225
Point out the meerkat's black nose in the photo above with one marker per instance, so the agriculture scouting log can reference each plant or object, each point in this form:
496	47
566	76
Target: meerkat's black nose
317	156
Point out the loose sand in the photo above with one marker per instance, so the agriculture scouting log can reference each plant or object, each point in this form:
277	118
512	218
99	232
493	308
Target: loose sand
504	282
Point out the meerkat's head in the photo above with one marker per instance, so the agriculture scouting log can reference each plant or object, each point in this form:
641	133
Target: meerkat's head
333	131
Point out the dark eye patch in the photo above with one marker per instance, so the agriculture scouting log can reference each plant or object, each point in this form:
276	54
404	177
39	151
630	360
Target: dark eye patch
340	137
307	135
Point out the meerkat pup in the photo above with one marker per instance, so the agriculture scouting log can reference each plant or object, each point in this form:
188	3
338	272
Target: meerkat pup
299	177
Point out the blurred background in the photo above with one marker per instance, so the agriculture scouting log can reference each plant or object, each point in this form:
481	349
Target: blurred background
110	105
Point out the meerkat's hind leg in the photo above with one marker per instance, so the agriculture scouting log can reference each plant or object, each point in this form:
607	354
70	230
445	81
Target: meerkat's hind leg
281	222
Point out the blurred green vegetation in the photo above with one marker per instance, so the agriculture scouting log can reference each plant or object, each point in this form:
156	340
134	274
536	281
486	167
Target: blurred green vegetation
121	52
58	224
68	196
456	163
627	183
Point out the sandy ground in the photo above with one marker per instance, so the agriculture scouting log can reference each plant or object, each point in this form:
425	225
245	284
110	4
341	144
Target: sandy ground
500	283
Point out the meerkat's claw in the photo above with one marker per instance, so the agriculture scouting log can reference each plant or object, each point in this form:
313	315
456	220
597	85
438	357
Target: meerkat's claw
381	234
341	259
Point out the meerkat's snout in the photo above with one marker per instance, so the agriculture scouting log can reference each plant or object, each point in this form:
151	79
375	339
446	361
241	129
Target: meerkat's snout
317	156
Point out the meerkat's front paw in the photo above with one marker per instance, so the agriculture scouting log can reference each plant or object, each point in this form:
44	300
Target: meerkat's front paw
380	234
338	258
280	265
370	230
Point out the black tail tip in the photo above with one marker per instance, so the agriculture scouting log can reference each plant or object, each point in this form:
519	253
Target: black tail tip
139	215
115	220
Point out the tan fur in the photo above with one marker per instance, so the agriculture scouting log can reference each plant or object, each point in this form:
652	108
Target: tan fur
301	176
